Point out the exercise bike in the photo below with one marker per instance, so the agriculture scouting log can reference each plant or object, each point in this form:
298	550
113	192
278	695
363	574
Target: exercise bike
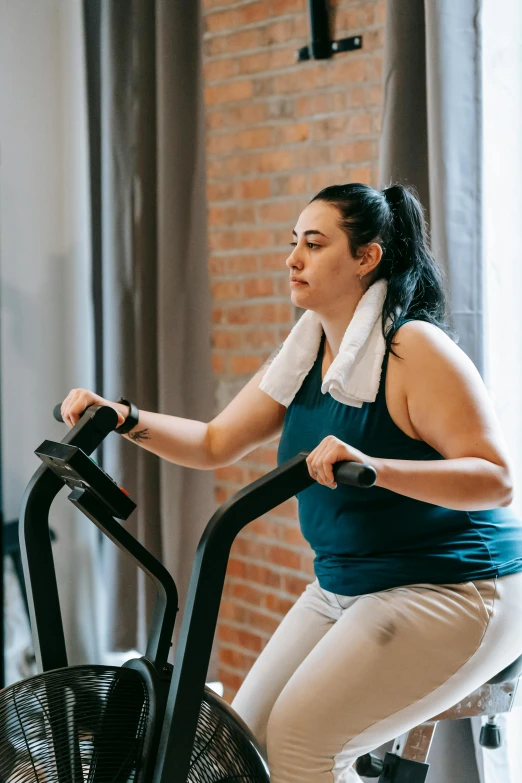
147	721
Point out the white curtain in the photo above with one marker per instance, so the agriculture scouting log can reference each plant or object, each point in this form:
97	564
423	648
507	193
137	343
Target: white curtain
502	207
46	319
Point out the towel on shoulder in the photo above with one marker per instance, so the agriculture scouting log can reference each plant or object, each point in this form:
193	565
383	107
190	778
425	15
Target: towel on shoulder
354	375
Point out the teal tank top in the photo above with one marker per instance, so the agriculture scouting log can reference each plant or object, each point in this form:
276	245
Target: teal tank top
366	540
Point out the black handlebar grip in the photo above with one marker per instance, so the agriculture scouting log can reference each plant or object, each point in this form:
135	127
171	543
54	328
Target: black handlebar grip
355	474
57	412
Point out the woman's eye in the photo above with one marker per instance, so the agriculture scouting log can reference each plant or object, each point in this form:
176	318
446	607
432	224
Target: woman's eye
310	244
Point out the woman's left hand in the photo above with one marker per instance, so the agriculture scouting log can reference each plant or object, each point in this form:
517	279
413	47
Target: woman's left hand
329	451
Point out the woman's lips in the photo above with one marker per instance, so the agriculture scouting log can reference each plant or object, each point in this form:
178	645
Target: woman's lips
297	282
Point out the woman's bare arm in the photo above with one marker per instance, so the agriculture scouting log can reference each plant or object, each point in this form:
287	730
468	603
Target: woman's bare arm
450	409
249	420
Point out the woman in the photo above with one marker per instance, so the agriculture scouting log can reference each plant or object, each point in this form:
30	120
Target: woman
419	580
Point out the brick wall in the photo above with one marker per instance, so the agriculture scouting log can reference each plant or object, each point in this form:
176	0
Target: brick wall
277	132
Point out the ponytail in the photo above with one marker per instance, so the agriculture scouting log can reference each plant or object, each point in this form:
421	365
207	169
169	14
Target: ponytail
395	219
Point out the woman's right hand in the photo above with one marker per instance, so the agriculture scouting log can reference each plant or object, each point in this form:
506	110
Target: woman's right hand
79	399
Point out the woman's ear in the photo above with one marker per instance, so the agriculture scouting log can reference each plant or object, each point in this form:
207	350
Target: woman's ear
371	257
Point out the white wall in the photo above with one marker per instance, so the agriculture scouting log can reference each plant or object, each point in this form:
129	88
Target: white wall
45	278
502	52
502	119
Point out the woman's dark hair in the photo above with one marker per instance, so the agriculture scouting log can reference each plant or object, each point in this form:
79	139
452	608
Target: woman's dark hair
394	218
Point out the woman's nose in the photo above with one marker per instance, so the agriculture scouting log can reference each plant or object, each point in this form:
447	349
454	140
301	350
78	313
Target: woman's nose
293	258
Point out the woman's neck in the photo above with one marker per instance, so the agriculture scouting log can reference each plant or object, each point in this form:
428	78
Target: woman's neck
334	332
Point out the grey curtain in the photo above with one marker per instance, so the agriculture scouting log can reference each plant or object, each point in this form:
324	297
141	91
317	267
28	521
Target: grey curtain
432	139
150	286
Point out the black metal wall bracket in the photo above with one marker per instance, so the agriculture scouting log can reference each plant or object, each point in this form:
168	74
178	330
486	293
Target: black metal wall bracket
320	46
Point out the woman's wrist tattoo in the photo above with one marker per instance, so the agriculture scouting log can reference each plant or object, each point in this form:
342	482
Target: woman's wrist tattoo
139	435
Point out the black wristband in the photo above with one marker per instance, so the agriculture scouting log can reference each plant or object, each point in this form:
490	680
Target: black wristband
132	419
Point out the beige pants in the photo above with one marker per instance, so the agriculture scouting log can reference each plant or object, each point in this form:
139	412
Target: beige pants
342	675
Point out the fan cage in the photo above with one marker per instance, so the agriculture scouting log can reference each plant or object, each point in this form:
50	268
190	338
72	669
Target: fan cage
80	724
89	724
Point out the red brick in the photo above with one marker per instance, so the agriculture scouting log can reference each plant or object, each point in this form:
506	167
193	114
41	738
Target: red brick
361	174
245	139
247	594
288	134
259	338
219	216
284	557
298	81
221	20
307	562
278	605
257	287
380	12
263	575
351	20
285	6
326	177
219	69
253	63
218	363
253	12
308	157
230	289
245	364
333	127
278	211
360	124
235	659
291	185
275	313
226	340
228	91
263	622
230	610
293	536
255	188
275	160
287	510
232	473
238	41
230	116
347	71
216	266
234	681
295	585
236	567
277	132
220	191
263	527
312	105
254	475
374	94
240	315
374	67
354	151
208	5
282	58
273	261
241	264
217	315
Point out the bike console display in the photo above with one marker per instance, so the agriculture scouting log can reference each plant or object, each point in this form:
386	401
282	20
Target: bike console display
78	471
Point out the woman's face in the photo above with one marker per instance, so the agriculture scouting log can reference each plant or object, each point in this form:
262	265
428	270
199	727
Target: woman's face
321	258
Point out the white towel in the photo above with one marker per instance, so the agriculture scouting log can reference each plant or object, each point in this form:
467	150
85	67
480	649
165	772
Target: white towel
354	375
